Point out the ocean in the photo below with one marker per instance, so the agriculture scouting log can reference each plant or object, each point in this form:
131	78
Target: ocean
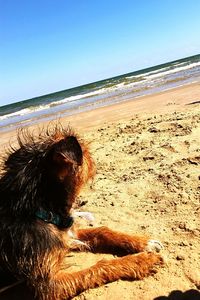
101	93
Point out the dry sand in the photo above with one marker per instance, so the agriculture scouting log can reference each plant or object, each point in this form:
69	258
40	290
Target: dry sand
147	153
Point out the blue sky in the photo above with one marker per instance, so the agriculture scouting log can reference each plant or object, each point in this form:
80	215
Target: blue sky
52	45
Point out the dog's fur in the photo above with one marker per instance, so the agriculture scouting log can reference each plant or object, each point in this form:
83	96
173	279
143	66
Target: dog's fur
48	172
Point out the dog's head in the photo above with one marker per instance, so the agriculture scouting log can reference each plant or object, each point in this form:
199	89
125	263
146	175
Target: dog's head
46	171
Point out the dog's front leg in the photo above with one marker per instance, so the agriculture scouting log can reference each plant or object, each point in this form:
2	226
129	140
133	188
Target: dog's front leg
130	267
105	240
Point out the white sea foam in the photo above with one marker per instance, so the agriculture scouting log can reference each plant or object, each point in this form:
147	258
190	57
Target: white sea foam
24	111
38	108
78	97
175	70
17	113
161	70
166	71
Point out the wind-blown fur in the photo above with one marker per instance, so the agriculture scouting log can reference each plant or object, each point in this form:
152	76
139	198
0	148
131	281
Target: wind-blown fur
48	172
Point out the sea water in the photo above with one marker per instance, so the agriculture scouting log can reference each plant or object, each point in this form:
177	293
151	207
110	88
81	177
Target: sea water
90	96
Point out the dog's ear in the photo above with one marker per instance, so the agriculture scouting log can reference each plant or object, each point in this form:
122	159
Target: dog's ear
68	151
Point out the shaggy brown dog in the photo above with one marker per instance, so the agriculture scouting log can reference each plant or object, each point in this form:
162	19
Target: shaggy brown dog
41	179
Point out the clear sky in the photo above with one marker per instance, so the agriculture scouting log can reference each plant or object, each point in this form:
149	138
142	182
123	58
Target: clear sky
52	45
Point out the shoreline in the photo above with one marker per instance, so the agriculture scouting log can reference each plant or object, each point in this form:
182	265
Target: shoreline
157	102
165	101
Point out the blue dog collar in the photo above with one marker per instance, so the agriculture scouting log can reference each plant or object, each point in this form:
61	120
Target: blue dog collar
50	217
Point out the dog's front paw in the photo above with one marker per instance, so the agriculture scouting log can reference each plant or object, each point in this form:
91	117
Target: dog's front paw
154	246
141	265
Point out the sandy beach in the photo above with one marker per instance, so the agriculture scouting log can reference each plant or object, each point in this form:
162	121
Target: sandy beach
147	153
